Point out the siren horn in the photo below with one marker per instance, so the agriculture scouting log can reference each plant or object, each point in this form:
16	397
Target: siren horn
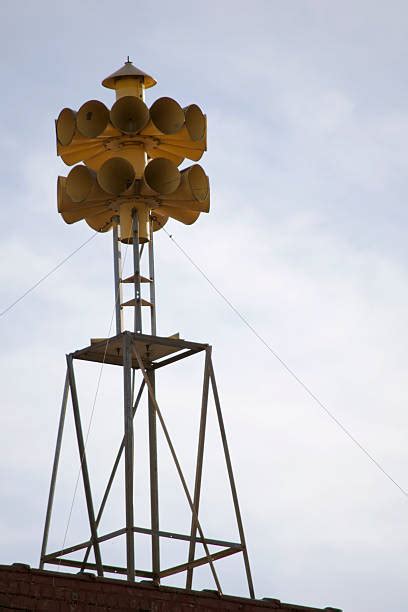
129	114
71	211
166	117
66	126
116	175
193	194
81	185
195	122
92	119
161	177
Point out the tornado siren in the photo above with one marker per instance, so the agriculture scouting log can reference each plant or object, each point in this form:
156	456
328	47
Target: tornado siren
130	156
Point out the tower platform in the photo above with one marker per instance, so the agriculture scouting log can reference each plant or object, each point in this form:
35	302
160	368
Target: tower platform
154	351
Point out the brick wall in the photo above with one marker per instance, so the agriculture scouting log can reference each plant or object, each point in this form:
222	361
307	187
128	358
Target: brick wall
23	588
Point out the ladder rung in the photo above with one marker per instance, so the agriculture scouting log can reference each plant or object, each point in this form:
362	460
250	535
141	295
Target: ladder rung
133	303
131	279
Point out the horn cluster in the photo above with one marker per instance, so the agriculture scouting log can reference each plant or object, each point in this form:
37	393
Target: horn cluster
130	156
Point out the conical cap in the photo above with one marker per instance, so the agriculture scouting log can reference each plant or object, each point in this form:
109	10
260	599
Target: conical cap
128	70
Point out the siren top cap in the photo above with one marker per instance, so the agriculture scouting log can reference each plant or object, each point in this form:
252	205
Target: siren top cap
128	70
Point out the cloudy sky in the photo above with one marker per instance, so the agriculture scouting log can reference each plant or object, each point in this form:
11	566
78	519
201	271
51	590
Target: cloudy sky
308	153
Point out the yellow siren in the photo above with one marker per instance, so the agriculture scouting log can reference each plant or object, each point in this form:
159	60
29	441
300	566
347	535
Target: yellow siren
163	191
130	155
93	134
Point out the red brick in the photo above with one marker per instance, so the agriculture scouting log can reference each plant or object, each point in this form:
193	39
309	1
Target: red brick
22	601
5	600
46	604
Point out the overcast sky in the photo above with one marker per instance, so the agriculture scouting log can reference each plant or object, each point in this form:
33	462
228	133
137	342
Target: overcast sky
308	153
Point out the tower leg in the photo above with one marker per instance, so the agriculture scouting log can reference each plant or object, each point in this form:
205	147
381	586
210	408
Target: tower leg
84	465
129	457
209	557
199	466
232	482
54	471
154	484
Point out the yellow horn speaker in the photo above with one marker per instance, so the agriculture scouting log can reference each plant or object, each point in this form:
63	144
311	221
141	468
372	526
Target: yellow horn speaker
190	141
82	185
71	211
166	117
116	176
193	194
66	126
194	127
129	115
195	122
92	119
161	177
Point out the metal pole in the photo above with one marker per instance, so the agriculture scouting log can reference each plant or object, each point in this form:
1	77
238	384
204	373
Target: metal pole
199	465
54	471
128	435
232	482
117	266
154	483
136	266
178	468
84	465
153	329
113	472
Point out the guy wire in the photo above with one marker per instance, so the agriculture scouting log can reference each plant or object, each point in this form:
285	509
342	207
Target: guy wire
292	373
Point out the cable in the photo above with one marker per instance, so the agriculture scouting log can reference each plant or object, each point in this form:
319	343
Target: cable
288	368
43	278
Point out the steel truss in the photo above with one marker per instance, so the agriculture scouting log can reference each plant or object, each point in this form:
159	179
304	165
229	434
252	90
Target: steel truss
146	353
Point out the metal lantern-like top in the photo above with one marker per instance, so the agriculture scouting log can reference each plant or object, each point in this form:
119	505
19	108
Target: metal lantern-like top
128	70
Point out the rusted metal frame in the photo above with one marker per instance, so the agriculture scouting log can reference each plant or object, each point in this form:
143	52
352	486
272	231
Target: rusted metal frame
114	468
136	266
152	288
199	467
129	457
84	465
154	482
71	549
117	265
109	569
54	473
178	467
197	562
169	360
179	536
232	481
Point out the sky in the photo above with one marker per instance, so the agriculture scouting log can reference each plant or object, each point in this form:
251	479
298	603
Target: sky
307	158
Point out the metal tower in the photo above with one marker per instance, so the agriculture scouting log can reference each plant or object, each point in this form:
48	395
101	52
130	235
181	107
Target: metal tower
130	183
